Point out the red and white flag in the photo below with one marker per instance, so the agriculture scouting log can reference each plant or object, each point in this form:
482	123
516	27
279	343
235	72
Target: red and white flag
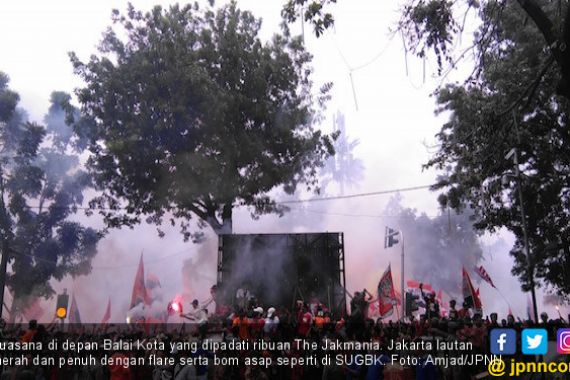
470	296
107	315
139	289
484	275
416	285
386	295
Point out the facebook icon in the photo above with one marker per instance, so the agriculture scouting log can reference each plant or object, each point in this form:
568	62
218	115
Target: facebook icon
503	341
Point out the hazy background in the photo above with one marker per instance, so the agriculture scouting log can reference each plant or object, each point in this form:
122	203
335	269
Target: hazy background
390	111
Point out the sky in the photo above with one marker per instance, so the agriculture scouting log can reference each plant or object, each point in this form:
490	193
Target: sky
383	92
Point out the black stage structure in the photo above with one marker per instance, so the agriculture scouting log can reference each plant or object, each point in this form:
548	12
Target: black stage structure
279	269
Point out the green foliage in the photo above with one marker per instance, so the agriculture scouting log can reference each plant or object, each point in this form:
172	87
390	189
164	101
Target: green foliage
430	25
40	188
482	130
192	114
437	26
312	11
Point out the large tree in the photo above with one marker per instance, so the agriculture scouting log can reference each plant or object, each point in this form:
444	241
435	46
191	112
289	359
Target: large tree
516	97
436	26
41	187
485	124
192	114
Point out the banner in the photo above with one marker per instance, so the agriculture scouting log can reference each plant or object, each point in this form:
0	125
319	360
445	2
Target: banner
107	315
386	295
139	289
469	295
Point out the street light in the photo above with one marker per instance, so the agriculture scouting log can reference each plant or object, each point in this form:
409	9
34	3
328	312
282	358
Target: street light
390	239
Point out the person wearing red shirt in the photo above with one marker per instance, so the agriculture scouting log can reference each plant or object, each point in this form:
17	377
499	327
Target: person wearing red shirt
118	371
305	321
464	311
32	329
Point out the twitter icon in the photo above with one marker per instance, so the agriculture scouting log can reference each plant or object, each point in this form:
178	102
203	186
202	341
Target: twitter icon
534	341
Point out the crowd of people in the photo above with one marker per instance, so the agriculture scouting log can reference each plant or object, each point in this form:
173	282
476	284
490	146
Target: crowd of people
253	322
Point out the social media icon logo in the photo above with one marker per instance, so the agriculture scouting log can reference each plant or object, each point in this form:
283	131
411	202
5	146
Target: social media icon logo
503	341
534	341
563	341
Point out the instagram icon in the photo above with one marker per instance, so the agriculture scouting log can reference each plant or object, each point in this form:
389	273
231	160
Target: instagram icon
563	341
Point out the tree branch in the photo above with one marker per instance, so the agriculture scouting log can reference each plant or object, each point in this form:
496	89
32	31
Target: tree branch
531	88
540	18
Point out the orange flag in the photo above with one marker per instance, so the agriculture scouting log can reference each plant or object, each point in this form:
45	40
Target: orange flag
139	289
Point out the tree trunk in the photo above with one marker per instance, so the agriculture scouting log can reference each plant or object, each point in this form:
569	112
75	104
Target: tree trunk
223	227
559	44
227	226
4	228
14	309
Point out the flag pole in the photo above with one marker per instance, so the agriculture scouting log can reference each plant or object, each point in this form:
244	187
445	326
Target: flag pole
402	280
504	298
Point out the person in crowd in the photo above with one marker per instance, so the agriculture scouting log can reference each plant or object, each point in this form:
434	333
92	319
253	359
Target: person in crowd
493	322
464	311
257	322
32	329
118	371
453	314
305	321
271	322
243	296
431	305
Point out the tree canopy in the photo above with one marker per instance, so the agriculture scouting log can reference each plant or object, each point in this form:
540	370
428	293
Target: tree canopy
484	126
516	97
436	26
192	114
41	186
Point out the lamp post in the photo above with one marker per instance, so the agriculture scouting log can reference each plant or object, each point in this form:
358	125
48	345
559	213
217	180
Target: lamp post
513	154
389	241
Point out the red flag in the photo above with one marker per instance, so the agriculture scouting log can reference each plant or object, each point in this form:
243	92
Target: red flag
74	316
398	297
484	275
139	289
107	314
386	294
469	295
